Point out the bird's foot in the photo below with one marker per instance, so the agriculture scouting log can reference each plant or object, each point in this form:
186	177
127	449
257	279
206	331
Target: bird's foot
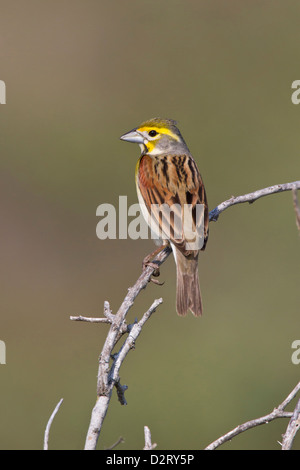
156	273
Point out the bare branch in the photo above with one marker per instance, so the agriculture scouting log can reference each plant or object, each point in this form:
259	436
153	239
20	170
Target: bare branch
290	397
148	439
296	208
108	377
47	431
107	312
90	319
292	429
130	341
251	197
121	440
276	413
109	319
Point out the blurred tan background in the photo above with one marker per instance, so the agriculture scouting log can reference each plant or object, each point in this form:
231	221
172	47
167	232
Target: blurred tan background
78	75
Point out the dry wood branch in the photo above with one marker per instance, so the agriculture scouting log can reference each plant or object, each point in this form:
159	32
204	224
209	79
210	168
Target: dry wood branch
121	440
108	376
292	429
251	197
90	319
148	439
278	412
296	208
47	431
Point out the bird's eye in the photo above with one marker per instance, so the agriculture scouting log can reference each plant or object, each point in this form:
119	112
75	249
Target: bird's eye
152	133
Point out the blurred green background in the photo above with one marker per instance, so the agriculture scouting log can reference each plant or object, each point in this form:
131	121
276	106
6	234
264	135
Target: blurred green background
78	75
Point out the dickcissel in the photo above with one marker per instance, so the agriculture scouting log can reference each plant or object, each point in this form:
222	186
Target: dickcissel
167	177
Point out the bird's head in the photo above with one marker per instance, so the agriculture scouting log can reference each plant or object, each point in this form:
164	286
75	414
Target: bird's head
157	137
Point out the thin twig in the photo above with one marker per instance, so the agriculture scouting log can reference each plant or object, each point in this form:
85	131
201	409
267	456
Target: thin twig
292	429
276	413
148	439
47	431
121	440
296	208
290	397
109	319
108	377
90	319
251	197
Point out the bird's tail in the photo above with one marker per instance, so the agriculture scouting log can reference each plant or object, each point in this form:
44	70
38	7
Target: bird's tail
188	295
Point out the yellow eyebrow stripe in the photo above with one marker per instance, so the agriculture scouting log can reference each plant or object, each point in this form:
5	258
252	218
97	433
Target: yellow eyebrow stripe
159	130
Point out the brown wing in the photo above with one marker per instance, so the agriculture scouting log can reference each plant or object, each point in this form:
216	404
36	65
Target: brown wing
174	195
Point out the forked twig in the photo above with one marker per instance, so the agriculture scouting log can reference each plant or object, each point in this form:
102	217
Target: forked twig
292	429
252	197
148	439
47	431
108	375
278	412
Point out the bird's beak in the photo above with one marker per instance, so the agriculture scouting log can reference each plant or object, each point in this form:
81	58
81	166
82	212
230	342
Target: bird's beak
133	136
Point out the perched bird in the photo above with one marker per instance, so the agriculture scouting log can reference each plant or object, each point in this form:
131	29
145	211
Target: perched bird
167	177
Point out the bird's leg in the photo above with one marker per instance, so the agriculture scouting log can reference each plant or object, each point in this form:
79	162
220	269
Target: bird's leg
147	262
